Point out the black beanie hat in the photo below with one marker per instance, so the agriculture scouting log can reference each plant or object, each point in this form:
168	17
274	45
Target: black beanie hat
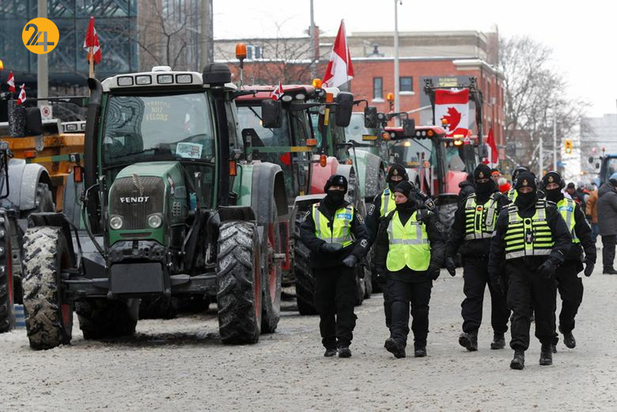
552	177
398	170
482	172
336	180
404	188
526	179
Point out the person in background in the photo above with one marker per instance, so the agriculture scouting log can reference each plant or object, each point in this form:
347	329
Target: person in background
495	175
503	185
591	211
607	221
466	188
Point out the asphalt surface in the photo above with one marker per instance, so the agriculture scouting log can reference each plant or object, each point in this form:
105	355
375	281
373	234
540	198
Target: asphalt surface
181	365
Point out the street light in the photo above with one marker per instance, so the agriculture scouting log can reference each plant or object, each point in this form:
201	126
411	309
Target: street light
397	107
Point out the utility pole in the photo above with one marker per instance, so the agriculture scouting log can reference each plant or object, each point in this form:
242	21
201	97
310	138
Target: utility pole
541	154
42	74
397	107
207	34
554	142
312	48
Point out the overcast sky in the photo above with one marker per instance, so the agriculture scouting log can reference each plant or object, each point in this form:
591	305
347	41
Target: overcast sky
582	36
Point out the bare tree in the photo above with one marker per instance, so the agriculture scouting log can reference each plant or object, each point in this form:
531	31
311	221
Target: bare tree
535	93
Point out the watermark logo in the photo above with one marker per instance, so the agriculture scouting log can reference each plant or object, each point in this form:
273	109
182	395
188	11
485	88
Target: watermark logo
40	35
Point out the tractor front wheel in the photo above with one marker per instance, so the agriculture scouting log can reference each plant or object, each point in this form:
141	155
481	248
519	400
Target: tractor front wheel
101	318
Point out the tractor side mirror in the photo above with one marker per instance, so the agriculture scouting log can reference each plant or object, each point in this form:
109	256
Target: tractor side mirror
34	123
370	117
409	127
344	106
482	151
271	113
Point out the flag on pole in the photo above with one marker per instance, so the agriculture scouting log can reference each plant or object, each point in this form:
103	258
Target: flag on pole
452	112
492	160
11	82
278	92
22	95
91	43
339	70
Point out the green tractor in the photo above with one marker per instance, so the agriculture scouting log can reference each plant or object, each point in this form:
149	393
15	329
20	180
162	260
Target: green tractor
172	206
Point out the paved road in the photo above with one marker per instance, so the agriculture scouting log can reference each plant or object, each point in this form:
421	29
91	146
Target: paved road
180	365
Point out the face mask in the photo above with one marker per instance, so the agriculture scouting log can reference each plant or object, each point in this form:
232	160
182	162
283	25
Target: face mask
553	195
336	197
525	199
392	184
404	206
484	188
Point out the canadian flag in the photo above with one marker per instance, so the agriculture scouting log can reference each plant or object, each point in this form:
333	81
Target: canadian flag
278	92
92	40
11	82
22	95
339	70
452	112
492	160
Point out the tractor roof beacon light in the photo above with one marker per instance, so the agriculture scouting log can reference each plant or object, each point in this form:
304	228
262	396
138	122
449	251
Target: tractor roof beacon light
241	55
216	74
1	65
317	83
323	160
390	97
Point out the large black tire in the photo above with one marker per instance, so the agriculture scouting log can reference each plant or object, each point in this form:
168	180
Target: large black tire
7	297
305	281
44	199
100	318
49	320
160	307
272	278
446	213
239	291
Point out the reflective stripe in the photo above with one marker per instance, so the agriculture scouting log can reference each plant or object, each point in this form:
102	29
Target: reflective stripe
522	253
568	216
341	228
419	240
408	246
387	203
480	220
528	236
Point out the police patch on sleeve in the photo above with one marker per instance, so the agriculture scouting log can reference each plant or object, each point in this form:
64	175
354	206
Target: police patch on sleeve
439	226
364	243
371	209
360	219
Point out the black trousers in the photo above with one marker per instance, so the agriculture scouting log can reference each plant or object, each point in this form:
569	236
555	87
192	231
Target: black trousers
403	295
475	275
608	250
387	305
529	292
570	288
335	291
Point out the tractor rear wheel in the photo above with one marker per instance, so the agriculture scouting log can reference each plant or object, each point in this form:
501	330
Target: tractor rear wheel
305	282
49	320
7	297
445	214
273	277
101	318
238	278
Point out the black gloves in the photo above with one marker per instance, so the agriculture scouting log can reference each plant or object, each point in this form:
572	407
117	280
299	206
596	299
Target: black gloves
433	271
547	269
350	261
331	247
589	268
451	266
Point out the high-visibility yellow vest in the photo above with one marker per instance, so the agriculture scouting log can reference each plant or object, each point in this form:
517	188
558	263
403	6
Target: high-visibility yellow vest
480	220
512	195
566	208
528	236
387	203
409	244
340	232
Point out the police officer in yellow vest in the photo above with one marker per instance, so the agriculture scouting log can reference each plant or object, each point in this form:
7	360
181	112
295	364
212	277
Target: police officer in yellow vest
512	193
530	242
472	230
569	285
410	251
338	240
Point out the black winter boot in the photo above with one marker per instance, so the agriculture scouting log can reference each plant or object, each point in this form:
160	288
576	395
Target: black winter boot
395	348
518	362
499	341
344	352
419	352
609	270
568	340
546	355
469	341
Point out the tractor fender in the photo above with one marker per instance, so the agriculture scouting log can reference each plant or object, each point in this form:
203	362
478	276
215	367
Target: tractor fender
321	174
24	179
268	183
453	178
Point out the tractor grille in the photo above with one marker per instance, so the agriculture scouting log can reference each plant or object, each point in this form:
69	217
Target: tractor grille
134	198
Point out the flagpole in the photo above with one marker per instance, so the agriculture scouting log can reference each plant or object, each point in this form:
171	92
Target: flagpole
42	72
397	107
91	62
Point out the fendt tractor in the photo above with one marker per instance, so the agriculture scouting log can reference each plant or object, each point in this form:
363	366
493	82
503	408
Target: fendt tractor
172	206
290	140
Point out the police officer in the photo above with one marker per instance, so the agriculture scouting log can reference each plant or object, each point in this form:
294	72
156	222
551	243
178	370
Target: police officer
337	239
531	241
410	251
512	193
570	286
474	224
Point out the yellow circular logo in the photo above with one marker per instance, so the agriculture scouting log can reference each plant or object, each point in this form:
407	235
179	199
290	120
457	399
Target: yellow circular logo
40	35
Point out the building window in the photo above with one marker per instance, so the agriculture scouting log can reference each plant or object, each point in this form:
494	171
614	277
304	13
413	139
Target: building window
377	88
406	84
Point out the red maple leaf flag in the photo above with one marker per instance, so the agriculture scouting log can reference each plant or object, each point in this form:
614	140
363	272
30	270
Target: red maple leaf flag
22	95
92	41
452	112
492	159
278	92
11	82
339	70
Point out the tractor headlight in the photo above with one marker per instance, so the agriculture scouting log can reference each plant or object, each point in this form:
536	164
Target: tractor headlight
116	222
155	220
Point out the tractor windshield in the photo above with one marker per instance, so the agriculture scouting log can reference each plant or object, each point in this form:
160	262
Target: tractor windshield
154	128
414	152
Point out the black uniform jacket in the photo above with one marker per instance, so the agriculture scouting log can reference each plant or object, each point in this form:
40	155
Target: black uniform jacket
435	236
559	229
319	259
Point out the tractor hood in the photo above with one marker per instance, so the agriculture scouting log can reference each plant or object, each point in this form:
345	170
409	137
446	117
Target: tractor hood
154	169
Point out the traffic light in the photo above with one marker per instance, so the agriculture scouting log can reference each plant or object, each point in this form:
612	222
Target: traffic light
568	146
